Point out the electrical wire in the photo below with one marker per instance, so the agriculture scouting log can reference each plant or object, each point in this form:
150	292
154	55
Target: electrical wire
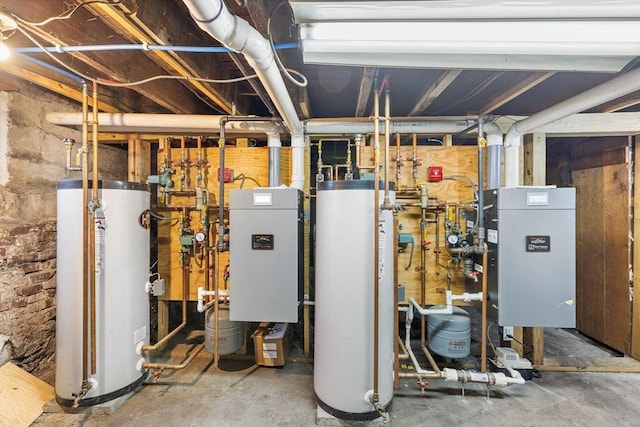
67	15
303	79
105	82
243	177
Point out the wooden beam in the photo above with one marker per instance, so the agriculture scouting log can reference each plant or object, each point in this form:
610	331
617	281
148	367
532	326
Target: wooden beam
514	92
52	85
589	364
127	23
118	67
366	84
621	105
434	91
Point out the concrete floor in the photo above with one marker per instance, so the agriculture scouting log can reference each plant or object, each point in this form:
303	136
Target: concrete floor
239	394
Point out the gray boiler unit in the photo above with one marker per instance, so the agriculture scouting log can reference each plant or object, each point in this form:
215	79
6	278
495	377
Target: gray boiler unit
530	232
265	254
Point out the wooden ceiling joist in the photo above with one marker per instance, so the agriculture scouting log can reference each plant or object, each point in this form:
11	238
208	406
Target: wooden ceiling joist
434	91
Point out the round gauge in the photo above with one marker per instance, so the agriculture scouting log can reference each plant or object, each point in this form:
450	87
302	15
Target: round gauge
452	239
200	236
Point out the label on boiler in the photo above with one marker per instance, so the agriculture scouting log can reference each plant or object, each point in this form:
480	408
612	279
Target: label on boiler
538	243
262	242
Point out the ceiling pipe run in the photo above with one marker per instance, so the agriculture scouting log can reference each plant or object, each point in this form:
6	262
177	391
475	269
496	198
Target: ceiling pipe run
610	90
182	124
397	125
238	35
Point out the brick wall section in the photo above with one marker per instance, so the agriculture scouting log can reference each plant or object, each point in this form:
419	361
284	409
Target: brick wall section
32	161
27	294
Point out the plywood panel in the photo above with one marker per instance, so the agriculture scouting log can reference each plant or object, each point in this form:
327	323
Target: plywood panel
249	162
22	396
617	315
441	274
603	254
589	252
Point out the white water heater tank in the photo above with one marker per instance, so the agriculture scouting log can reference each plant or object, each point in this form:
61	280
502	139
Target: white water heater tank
122	308
344	300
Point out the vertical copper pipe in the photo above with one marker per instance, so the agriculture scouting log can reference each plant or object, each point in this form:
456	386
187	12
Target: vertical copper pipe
95	202
376	242
485	269
85	231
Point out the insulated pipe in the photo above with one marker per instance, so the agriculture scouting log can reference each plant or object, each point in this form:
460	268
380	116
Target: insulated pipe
494	145
182	124
350	126
610	90
235	33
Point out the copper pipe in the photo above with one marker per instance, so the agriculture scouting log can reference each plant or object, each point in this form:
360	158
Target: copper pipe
428	375
485	297
405	353
163	366
423	273
376	243
181	326
95	202
85	231
432	362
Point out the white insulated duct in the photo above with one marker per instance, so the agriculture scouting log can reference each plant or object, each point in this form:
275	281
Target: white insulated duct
494	145
351	126
235	33
181	124
610	90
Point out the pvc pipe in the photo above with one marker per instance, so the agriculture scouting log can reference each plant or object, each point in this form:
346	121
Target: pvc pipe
494	145
201	307
397	125
215	18
183	124
612	89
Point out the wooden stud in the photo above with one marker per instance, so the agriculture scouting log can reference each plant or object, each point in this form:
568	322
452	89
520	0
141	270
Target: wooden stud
139	160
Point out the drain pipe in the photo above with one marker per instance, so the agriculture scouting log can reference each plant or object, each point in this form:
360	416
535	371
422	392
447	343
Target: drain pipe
613	89
235	33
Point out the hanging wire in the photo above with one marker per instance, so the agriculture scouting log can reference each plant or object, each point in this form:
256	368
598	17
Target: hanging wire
287	73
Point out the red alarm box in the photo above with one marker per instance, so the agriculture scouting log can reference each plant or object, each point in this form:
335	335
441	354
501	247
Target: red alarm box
434	173
227	175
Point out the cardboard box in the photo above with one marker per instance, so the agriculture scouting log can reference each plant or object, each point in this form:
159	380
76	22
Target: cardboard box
270	344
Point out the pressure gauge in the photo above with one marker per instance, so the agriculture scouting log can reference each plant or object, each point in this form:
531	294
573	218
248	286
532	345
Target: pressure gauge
200	236
452	239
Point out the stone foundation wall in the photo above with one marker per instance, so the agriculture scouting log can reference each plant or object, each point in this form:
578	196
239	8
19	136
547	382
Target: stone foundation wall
32	161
